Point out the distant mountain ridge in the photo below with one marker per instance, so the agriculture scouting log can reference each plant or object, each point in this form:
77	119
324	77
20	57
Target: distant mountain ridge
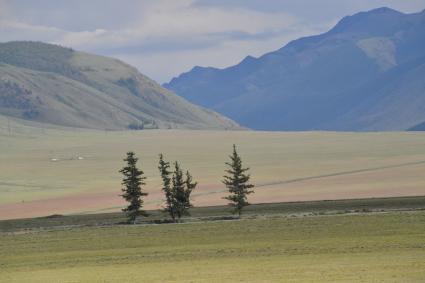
366	73
52	84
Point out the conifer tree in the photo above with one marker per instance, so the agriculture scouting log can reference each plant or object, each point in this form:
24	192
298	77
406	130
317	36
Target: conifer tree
132	182
178	191
164	169
237	182
190	186
181	190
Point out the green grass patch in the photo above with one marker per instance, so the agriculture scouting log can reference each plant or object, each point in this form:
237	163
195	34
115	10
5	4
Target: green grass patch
338	248
214	213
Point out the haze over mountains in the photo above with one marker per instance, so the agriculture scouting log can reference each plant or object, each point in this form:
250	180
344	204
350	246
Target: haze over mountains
366	73
51	84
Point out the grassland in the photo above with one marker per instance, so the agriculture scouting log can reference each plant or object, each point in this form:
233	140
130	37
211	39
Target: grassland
378	247
284	166
217	213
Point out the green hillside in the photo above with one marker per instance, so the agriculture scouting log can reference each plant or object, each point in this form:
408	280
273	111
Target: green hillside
51	84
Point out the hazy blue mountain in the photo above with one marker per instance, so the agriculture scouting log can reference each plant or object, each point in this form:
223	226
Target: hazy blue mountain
52	84
366	73
418	127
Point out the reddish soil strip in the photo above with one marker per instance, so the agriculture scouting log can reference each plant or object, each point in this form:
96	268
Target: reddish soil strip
388	182
60	205
98	201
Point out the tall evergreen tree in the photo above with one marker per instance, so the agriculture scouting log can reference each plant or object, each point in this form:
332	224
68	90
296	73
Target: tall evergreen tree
132	182
178	191
181	190
164	169
190	186
237	182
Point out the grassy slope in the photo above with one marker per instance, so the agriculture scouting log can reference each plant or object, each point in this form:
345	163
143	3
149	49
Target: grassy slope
355	248
77	89
285	166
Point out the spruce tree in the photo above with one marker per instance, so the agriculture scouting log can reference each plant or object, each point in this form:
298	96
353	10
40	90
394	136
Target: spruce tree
237	182
190	186
179	196
164	169
132	182
181	190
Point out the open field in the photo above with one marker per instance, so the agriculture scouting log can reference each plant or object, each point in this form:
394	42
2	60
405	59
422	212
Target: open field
214	213
371	247
54	170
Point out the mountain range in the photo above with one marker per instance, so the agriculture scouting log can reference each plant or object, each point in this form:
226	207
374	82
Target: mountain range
365	74
51	84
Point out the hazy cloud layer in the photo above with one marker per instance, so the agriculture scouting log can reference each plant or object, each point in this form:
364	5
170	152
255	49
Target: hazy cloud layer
166	37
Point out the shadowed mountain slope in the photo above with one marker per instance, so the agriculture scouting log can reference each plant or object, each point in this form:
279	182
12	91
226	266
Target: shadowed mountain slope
366	73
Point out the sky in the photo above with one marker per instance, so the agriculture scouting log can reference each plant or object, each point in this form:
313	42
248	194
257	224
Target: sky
164	38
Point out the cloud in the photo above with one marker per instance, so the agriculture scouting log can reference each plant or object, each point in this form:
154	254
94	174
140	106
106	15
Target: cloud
168	24
159	28
220	54
13	30
150	34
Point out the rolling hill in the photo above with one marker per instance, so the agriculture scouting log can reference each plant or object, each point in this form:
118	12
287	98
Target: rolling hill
366	73
56	85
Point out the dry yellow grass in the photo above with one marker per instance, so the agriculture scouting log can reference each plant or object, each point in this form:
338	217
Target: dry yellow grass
284	166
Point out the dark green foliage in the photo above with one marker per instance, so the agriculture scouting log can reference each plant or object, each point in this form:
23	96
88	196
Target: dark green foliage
190	186
15	96
237	182
132	191
40	56
130	84
164	169
30	114
143	125
136	126
179	192
182	188
177	189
